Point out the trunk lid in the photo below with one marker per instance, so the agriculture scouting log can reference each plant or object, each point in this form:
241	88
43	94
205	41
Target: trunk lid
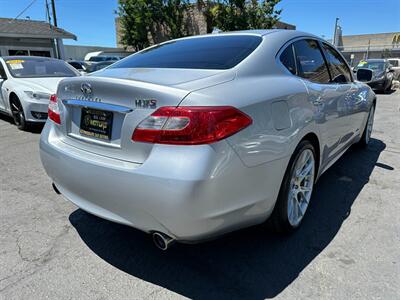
167	77
127	96
114	105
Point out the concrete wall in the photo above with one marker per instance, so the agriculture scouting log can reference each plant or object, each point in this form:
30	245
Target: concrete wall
78	52
360	55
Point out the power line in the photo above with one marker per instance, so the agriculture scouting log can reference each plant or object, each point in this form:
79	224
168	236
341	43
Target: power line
25	9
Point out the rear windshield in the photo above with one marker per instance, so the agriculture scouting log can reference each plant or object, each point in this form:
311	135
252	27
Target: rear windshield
213	52
37	67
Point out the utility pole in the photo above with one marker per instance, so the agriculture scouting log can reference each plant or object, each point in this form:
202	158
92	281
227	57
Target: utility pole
48	15
369	46
53	8
335	32
58	42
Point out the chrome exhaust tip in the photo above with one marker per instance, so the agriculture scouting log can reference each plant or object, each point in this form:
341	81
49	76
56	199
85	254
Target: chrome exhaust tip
162	241
55	189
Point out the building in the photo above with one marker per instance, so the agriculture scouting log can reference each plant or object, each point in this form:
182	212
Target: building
195	23
363	46
28	37
78	52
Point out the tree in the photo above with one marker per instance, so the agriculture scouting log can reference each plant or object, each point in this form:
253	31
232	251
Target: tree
135	20
230	15
145	22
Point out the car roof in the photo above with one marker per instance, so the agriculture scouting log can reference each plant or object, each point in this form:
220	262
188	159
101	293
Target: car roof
282	33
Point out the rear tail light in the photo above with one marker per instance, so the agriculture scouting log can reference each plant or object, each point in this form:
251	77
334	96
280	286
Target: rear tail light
190	125
54	111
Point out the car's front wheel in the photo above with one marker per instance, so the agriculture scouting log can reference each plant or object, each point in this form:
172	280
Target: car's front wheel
388	89
18	114
296	190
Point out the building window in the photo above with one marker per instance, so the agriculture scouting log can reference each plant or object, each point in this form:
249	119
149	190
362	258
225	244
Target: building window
17	52
39	53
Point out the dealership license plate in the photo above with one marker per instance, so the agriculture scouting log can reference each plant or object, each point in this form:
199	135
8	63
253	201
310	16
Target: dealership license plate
96	123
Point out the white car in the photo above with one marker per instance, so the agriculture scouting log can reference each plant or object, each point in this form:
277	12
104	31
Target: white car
26	84
395	62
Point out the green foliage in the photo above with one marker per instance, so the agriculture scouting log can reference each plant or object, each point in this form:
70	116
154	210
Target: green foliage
144	22
230	15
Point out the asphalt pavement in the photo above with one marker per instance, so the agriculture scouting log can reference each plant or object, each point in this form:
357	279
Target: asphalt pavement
347	248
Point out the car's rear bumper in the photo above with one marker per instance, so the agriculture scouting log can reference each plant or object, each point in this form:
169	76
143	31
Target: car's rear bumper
188	192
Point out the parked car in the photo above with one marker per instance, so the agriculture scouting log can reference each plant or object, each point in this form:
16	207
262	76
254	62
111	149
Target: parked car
103	56
395	63
81	66
381	77
26	83
95	59
204	135
98	66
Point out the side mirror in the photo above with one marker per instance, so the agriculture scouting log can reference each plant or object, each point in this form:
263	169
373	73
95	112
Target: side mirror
390	69
364	74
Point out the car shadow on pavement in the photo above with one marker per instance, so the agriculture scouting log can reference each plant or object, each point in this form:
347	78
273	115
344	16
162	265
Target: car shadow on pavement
33	127
252	263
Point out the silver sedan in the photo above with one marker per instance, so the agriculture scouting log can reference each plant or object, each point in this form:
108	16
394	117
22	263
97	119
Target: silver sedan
204	135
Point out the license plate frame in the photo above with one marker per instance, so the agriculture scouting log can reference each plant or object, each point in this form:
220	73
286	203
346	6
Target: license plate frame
96	123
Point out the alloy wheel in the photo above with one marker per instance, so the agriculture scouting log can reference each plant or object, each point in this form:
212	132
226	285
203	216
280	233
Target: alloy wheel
301	187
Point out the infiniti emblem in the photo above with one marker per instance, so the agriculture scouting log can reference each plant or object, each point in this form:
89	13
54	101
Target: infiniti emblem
86	89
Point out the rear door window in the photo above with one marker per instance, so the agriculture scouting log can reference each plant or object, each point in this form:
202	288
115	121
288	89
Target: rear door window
339	71
310	62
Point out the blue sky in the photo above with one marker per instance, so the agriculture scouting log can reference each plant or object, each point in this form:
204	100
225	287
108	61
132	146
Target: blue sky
93	20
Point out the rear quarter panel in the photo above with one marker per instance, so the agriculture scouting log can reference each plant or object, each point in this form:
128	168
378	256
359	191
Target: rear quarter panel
278	106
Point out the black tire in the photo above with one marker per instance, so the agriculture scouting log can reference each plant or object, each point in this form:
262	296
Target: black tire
279	218
388	89
365	140
18	114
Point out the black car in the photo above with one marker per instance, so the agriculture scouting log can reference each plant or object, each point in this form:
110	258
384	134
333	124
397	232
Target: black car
98	66
81	66
377	73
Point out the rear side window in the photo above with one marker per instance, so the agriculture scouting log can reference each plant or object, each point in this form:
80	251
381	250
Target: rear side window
287	59
213	52
310	62
339	71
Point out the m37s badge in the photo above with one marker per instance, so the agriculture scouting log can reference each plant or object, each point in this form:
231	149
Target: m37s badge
146	103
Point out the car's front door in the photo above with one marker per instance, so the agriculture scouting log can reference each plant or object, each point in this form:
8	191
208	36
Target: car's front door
324	96
3	78
350	103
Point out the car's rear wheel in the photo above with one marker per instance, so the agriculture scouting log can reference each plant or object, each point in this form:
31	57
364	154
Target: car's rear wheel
366	137
18	114
296	190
